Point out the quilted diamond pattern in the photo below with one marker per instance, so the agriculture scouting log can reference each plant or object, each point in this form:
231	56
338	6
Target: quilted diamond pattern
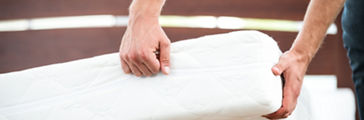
222	77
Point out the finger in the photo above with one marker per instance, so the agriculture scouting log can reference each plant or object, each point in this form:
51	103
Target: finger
164	56
132	67
292	87
278	114
280	67
276	70
152	63
289	98
131	60
125	66
138	62
290	95
143	68
135	70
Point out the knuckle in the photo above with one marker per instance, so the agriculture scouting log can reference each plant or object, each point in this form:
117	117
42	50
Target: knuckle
154	70
164	60
298	77
121	54
126	70
125	67
165	43
124	56
137	74
132	56
143	55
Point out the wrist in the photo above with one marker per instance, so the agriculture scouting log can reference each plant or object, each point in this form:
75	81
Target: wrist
302	55
143	14
146	8
140	20
306	45
137	15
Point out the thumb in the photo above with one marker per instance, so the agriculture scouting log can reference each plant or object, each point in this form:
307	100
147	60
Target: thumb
164	56
279	68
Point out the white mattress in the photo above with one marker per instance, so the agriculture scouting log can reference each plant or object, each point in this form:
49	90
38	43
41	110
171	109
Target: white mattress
223	76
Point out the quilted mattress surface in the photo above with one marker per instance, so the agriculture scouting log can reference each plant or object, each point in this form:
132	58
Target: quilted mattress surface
216	77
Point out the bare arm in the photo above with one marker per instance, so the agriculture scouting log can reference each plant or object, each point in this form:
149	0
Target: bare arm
294	62
142	38
319	16
146	8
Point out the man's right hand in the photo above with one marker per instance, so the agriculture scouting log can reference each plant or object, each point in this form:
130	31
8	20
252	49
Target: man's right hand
142	39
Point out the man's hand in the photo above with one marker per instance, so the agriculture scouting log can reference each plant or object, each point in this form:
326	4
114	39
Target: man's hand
293	66
143	38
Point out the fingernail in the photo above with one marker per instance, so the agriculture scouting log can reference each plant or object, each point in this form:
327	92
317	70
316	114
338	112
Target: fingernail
276	69
166	69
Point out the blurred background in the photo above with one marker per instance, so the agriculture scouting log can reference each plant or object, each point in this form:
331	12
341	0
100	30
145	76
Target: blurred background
40	32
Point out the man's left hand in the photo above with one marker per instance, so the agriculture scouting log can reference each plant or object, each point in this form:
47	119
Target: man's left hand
293	66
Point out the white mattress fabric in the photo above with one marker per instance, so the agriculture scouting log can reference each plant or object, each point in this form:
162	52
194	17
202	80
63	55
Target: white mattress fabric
222	77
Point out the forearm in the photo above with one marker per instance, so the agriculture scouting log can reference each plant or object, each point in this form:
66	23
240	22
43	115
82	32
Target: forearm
293	63
146	8
319	15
